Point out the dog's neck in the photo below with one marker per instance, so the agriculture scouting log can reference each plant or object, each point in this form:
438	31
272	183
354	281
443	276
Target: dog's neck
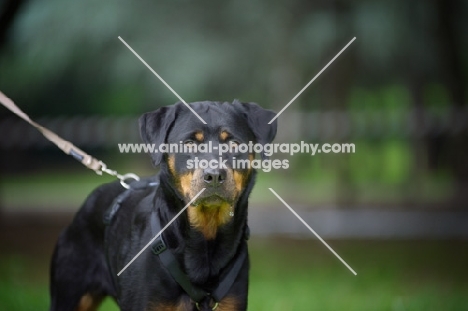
203	258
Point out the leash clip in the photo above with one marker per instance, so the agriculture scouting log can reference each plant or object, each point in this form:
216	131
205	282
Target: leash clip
123	178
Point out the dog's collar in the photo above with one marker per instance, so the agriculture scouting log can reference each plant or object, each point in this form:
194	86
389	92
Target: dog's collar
196	293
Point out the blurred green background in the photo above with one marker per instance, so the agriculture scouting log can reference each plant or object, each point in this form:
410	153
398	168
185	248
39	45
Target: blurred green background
396	209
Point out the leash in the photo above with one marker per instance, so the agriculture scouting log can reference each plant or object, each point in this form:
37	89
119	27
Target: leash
67	147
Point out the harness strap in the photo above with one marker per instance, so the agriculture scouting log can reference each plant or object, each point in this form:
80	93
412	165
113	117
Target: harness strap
196	293
110	213
226	283
133	186
168	259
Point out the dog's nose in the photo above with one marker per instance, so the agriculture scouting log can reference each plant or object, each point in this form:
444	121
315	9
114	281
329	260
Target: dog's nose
214	177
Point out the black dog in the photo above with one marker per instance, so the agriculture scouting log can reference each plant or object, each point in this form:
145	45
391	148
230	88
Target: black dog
201	260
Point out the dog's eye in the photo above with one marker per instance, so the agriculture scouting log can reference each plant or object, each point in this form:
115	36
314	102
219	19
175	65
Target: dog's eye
189	142
234	143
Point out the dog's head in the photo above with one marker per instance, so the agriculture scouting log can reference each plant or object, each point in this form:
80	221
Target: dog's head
190	167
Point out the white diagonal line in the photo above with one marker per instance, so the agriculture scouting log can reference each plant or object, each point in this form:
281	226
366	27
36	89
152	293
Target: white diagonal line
162	80
160	232
312	230
316	76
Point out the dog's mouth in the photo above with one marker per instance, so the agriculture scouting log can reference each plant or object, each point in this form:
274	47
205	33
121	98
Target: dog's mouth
210	212
212	200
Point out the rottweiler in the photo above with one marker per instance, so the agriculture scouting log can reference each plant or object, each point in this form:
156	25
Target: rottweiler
200	261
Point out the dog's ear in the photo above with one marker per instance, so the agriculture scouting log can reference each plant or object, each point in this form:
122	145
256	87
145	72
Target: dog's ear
257	119
154	128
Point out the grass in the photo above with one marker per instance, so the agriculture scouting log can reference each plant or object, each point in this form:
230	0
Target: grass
303	275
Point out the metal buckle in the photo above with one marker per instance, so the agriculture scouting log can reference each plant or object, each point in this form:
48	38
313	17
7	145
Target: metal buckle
213	308
122	178
125	177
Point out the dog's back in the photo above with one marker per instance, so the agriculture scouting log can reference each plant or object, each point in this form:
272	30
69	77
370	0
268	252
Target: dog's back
79	270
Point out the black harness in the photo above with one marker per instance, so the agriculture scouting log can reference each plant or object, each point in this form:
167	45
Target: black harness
169	261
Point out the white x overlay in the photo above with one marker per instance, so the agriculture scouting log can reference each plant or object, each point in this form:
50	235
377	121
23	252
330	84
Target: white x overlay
162	80
313	231
277	115
160	232
313	79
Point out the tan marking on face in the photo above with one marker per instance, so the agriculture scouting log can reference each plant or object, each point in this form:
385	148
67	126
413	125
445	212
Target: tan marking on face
207	219
223	135
88	303
228	303
239	179
171	164
185	184
199	136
